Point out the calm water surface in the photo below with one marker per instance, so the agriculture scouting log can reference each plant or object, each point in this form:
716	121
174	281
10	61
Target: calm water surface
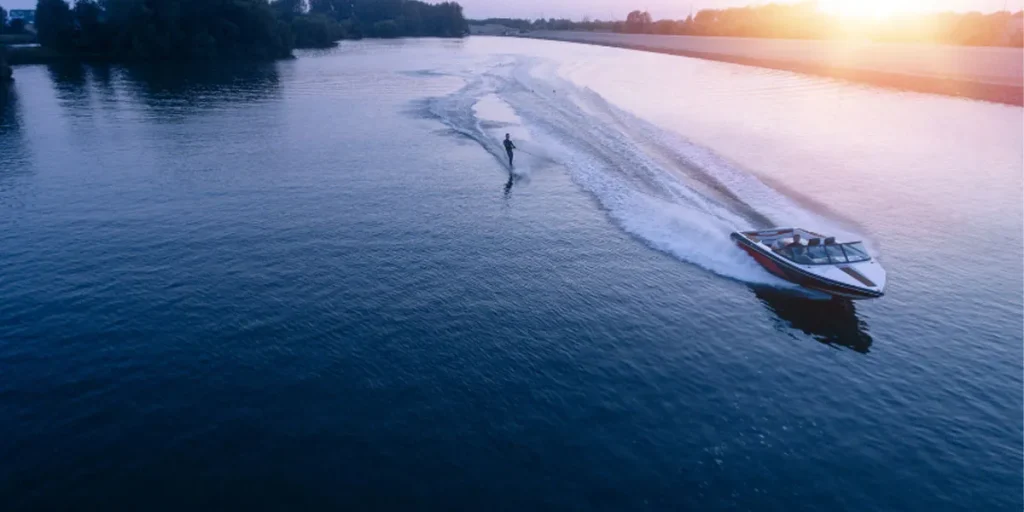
314	284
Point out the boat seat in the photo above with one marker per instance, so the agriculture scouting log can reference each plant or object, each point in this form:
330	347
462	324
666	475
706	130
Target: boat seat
830	240
813	242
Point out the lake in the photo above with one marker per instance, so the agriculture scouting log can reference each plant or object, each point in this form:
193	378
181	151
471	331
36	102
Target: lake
314	284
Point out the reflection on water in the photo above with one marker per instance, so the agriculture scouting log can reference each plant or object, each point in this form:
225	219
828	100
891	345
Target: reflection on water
508	184
101	74
70	82
10	123
204	84
833	322
67	76
8	107
13	152
233	265
191	86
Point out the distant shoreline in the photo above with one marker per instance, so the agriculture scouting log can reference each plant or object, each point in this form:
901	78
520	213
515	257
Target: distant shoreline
934	70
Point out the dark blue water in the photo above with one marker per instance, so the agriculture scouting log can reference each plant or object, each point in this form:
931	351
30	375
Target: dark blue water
312	284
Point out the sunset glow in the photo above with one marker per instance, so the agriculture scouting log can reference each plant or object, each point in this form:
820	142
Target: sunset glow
877	9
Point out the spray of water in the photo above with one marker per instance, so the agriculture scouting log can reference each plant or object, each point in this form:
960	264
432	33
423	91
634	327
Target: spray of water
676	196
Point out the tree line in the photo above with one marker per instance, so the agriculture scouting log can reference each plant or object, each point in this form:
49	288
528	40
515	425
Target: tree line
199	29
805	21
393	18
13	27
7	30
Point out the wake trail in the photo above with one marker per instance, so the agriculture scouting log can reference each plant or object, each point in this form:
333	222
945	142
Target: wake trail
673	195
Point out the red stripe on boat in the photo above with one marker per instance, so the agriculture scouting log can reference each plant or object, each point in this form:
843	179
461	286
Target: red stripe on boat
765	261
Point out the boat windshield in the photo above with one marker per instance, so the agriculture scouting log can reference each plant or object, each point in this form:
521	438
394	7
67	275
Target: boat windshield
825	254
835	253
796	253
817	254
855	251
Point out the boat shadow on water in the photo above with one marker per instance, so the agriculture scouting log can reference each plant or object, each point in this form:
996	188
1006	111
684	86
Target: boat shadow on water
833	322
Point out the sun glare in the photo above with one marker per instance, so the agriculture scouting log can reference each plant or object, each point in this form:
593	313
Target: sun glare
878	9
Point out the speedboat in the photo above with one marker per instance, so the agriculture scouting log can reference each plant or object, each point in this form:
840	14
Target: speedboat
815	261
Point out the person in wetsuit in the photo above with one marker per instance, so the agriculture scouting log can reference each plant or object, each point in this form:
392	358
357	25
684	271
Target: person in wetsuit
798	250
509	146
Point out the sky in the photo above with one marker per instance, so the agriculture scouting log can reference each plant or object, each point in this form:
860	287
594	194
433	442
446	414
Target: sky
617	9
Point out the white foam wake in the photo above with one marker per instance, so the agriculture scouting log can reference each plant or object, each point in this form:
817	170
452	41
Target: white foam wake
675	196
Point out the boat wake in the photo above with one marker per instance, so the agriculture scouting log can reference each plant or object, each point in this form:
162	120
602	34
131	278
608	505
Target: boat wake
673	195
